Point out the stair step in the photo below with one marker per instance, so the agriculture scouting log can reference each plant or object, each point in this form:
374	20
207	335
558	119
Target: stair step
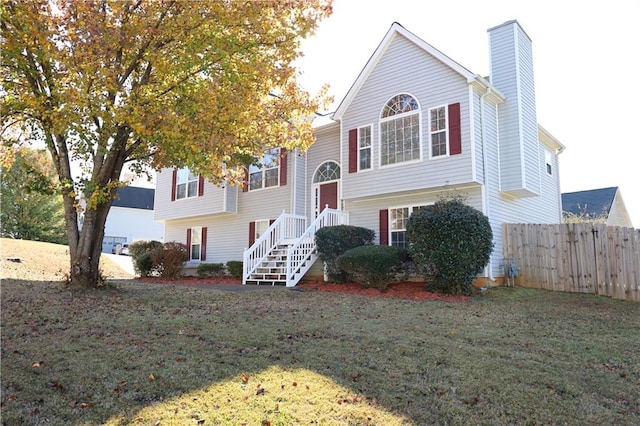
266	282
268	276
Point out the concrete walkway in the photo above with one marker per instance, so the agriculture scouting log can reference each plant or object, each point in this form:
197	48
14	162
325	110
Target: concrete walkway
124	262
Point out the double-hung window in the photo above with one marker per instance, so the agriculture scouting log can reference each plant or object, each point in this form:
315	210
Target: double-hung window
186	184
400	130
548	160
364	148
266	173
398	219
195	243
438	131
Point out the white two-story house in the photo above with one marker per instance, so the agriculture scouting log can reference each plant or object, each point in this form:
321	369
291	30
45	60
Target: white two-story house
414	127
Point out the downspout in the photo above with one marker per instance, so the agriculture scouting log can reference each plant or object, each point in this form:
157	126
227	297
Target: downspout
485	172
306	185
295	182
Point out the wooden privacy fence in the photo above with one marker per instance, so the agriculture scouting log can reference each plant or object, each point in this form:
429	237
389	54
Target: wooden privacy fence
575	257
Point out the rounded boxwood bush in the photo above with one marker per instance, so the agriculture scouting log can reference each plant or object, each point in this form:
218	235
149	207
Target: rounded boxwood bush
371	266
210	269
234	268
333	241
450	242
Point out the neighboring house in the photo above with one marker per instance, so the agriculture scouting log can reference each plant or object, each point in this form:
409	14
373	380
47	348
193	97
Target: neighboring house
414	126
604	204
131	218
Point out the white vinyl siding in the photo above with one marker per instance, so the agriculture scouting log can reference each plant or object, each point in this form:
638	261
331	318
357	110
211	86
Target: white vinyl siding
433	84
326	148
216	199
510	53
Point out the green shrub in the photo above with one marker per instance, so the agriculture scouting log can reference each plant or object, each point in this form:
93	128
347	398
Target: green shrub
234	268
171	259
142	253
371	266
450	243
333	241
210	269
143	264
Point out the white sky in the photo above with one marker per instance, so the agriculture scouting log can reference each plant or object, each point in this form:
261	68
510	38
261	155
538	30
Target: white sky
585	60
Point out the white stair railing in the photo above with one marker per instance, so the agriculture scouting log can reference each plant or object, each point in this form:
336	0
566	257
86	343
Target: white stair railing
286	227
299	254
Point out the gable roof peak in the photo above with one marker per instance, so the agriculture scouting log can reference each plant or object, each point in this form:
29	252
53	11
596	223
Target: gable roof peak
395	30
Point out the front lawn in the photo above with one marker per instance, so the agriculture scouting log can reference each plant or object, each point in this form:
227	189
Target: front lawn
152	354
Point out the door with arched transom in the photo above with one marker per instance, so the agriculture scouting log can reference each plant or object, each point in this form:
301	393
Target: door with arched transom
326	187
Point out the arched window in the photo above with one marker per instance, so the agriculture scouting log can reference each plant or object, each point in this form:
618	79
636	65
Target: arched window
400	130
326	172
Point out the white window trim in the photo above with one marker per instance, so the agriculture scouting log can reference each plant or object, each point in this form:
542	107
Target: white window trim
370	126
394	117
406	206
186	183
197	230
446	131
548	162
263	170
263	222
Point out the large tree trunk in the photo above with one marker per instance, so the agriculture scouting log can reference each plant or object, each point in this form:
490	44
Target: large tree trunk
85	259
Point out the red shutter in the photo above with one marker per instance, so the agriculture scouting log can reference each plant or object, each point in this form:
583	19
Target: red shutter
252	233
455	135
245	182
174	181
384	227
189	243
203	244
353	150
200	186
283	166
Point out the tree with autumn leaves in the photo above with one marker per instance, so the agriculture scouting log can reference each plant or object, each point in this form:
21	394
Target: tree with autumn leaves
208	85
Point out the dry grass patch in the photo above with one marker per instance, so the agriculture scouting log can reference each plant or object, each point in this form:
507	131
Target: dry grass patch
44	261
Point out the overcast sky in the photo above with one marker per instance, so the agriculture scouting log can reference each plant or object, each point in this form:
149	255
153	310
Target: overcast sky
585	63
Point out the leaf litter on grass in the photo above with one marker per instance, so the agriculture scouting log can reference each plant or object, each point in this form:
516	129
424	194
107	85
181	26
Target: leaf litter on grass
512	356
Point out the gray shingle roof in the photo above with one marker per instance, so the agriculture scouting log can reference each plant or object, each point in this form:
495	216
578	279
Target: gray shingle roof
135	198
594	203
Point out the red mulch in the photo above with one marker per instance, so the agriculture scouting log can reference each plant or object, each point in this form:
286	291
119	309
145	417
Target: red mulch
414	290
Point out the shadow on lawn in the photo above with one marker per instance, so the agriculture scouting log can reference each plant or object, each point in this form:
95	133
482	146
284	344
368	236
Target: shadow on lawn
138	353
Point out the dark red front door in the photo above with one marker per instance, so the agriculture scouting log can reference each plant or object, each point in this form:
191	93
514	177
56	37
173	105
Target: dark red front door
329	195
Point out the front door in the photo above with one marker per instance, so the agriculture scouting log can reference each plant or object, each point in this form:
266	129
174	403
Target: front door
328	196
325	187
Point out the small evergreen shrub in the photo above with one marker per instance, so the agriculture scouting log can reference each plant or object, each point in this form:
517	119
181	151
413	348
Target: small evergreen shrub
171	259
142	253
234	268
450	243
210	269
333	241
371	266
143	264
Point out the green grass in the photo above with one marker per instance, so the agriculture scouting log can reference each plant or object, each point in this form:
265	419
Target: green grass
139	354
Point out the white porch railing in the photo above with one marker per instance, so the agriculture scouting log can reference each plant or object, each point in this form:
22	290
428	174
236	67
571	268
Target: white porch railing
300	254
287	227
